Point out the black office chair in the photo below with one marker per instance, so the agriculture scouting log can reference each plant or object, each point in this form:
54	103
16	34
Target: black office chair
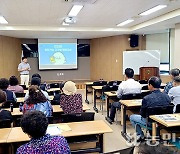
143	81
24	87
7	104
99	83
50	119
20	94
158	110
145	93
145	87
54	85
132	96
177	108
6	123
122	151
76	117
114	83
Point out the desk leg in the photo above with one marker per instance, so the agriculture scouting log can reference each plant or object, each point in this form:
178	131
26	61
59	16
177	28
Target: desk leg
101	143
107	108
153	132
86	91
94	100
123	133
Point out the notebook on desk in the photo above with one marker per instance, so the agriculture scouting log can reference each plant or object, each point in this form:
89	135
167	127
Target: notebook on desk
167	118
57	129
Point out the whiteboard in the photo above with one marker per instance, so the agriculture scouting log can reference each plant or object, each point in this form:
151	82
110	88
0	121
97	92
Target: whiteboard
140	58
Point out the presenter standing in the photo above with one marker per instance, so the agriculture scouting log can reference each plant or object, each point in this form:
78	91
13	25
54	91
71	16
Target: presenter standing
24	69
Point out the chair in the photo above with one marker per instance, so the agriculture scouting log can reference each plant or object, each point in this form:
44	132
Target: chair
122	151
7	104
145	87
106	88
177	108
20	94
114	83
76	117
99	83
131	96
54	85
6	123
50	119
143	81
158	110
24	87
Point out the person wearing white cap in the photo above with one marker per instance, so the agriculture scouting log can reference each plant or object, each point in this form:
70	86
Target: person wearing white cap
71	102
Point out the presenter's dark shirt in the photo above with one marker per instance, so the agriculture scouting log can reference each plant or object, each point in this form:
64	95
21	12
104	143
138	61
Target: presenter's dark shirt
156	98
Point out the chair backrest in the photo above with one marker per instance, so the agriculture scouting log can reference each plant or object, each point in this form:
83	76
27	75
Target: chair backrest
132	96
50	119
109	88
7	104
76	117
177	108
114	83
20	94
54	85
143	81
24	87
145	93
99	83
145	87
6	123
159	110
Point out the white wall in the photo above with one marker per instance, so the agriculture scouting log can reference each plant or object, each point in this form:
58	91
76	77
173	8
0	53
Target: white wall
177	46
159	42
172	47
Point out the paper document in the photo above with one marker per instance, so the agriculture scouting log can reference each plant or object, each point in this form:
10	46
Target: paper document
167	117
53	130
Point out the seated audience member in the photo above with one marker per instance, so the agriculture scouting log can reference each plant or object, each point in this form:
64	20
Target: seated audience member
4	114
37	101
58	95
145	148
71	102
37	81
4	83
174	92
42	86
154	99
35	125
14	87
129	86
173	73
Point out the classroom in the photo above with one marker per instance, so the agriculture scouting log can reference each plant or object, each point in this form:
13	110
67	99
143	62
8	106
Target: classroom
89	76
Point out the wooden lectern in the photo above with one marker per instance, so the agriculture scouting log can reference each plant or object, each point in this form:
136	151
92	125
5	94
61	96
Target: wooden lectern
147	72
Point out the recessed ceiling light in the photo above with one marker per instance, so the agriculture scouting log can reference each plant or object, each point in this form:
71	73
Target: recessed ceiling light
75	10
152	10
65	24
125	22
3	20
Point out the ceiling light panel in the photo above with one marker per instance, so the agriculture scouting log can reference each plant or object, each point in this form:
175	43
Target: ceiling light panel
125	22
3	20
152	10
75	10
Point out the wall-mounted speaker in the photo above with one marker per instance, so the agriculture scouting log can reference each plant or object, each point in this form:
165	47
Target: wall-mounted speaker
134	39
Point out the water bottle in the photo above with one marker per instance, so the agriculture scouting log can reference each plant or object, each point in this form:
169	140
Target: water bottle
20	107
11	107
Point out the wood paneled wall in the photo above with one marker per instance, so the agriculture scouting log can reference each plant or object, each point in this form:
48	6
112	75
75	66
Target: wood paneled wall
106	60
10	56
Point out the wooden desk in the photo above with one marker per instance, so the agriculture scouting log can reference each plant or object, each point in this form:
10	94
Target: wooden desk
56	109
164	123
21	99
125	104
98	127
95	88
87	84
4	133
53	89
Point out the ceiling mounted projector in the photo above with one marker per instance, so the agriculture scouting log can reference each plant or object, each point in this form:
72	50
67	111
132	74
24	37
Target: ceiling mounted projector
70	20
